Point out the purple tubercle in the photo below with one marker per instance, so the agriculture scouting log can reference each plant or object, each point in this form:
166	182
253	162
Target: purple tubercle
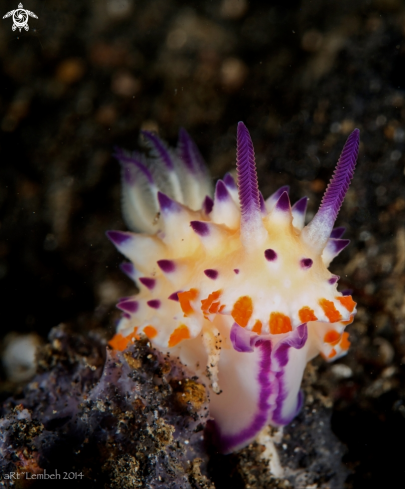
278	193
230	182
333	279
154	303
160	148
337	245
247	176
221	192
166	266
166	204
208	205
118	238
236	270
128	268
262	204
270	254
283	203
320	228
126	315
300	207
130	306
211	273
174	296
306	263
132	160
189	153
347	292
148	282
337	232
201	228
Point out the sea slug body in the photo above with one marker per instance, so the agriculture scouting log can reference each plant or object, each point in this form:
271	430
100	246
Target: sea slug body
235	286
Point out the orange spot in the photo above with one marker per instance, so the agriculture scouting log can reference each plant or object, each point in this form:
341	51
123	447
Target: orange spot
332	353
279	323
214	307
332	337
150	331
257	328
306	314
206	303
119	342
347	302
345	343
242	310
185	298
222	308
330	310
179	334
349	321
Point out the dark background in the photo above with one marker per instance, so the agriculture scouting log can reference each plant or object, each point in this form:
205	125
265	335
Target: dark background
301	74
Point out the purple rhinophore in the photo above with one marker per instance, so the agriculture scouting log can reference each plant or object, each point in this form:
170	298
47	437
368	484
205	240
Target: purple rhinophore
336	190
241	339
201	228
118	238
128	268
247	175
262	204
135	161
160	148
211	273
166	266
148	282
154	303
128	305
236	270
208	204
166	204
270	254
337	232
347	292
174	296
283	203
333	279
300	207
335	246
221	192
306	263
189	153
230	182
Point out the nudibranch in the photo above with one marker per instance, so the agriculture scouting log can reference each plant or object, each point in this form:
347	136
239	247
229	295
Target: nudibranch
235	286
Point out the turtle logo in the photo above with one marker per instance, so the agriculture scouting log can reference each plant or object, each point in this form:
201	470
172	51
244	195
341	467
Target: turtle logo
20	17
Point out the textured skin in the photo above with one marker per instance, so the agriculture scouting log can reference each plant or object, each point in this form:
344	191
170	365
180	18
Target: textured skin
241	293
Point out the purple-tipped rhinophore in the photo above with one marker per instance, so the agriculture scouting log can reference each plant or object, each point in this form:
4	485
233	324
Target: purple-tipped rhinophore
174	296
319	229
229	181
154	303
128	268
189	153
335	246
159	148
251	219
130	306
201	228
